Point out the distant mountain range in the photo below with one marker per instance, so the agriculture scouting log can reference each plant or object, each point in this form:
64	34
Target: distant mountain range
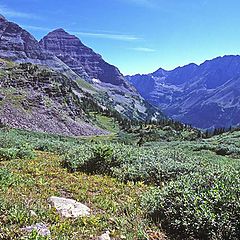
65	54
205	96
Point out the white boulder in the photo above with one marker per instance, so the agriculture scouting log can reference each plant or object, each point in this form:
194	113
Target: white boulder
69	208
105	236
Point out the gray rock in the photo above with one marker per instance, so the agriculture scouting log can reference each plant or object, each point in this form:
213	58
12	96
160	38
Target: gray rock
65	53
40	103
69	208
41	229
105	236
2	18
33	214
105	77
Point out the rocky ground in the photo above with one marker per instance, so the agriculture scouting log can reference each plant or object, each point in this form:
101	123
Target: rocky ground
41	100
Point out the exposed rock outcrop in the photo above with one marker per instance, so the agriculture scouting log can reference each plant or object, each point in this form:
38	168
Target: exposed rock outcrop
105	236
81	59
66	54
40	228
18	45
69	208
119	94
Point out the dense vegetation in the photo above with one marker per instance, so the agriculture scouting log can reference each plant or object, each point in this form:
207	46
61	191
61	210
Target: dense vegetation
167	178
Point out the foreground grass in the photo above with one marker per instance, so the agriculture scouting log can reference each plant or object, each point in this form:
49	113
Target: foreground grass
29	183
189	183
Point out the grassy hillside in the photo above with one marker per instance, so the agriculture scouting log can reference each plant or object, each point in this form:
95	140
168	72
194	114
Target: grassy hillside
136	192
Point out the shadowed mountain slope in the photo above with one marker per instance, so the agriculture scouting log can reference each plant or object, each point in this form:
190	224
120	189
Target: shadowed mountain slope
206	96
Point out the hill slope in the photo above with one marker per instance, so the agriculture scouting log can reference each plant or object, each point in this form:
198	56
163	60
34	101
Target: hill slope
175	184
41	100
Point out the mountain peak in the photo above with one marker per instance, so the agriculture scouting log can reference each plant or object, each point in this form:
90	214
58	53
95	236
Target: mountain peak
16	44
80	58
62	35
223	59
160	72
59	30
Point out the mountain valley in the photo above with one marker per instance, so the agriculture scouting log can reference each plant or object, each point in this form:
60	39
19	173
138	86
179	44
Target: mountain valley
87	153
205	96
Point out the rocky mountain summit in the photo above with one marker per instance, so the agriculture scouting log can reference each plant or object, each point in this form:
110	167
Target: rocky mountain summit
206	96
16	44
81	59
112	88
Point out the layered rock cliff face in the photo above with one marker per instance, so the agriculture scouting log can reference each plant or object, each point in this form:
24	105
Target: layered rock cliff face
206	96
37	99
81	59
17	44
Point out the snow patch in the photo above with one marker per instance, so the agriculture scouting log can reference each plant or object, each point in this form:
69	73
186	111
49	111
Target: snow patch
95	80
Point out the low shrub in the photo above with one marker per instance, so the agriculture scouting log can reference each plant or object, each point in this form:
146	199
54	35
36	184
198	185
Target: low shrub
198	206
102	161
156	167
130	163
25	153
98	158
44	145
7	154
6	178
76	157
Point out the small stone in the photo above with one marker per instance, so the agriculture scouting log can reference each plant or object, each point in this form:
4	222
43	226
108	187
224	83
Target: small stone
69	208
105	236
41	229
32	213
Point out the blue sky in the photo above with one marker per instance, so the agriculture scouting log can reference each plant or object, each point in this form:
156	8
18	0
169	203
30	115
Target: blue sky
138	36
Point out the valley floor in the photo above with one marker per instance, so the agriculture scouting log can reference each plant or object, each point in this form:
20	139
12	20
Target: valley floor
134	192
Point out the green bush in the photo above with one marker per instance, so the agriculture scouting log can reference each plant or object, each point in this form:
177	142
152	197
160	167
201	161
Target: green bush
99	158
7	154
198	206
155	166
76	157
130	163
102	161
25	153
